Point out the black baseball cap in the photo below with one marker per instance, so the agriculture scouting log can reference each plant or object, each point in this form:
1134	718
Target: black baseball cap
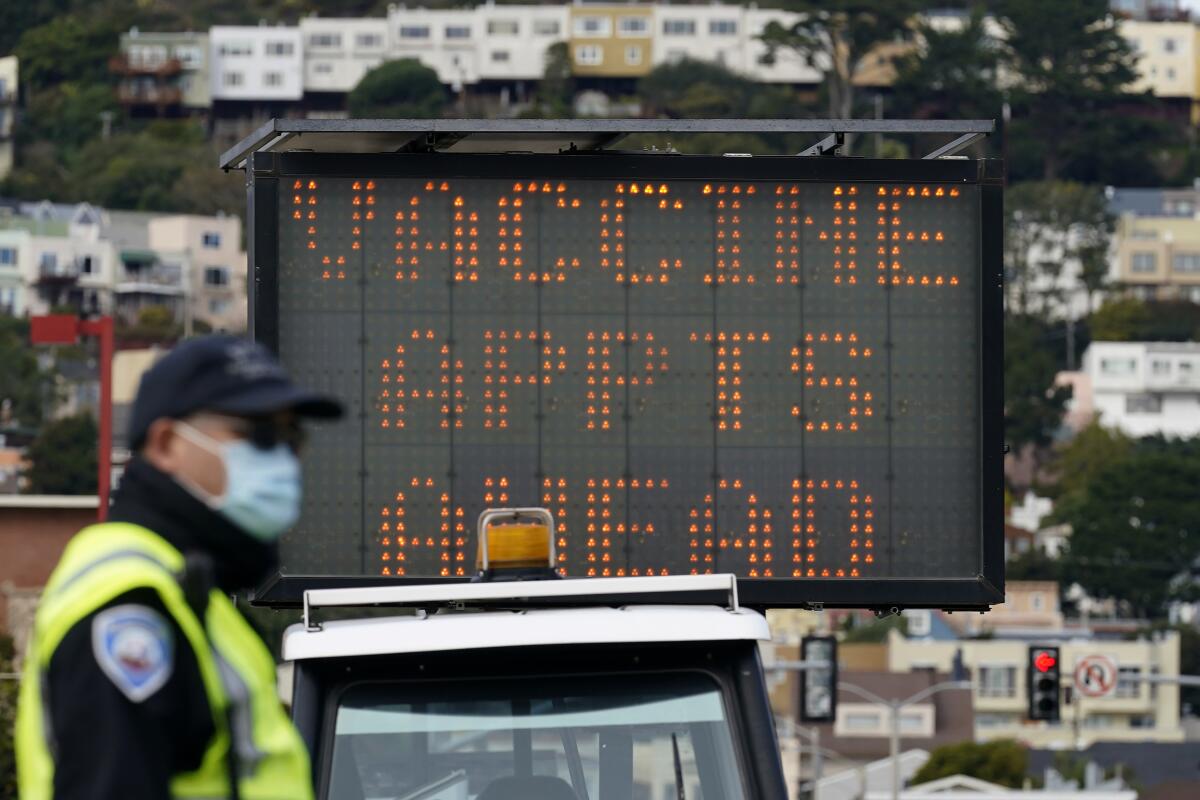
224	374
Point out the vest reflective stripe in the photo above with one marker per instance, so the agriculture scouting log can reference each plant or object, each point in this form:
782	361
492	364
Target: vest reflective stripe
105	561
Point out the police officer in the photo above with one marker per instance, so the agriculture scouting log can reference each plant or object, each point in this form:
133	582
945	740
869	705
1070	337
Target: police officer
142	678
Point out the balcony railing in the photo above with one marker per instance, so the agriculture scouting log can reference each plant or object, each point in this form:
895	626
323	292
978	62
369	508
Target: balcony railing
58	271
164	277
122	64
149	95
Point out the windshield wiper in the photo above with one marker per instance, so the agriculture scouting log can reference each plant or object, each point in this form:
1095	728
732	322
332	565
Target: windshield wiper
680	792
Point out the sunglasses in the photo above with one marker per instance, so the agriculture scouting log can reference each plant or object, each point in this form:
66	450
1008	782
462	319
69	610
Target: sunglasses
266	433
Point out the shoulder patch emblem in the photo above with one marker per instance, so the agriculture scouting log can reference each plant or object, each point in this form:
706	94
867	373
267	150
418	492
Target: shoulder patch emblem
134	646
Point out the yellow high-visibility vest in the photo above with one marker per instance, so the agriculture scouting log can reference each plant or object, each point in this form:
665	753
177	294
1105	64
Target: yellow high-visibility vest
105	561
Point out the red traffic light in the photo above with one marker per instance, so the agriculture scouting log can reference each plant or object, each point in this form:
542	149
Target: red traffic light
1045	662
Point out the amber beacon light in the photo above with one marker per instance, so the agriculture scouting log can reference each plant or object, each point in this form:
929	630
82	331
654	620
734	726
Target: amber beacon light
515	544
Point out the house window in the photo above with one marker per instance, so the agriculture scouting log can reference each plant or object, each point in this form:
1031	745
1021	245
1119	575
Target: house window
233	79
1160	367
1127	683
235	49
8	256
219	305
679	27
1186	262
188	57
1143	404
722	27
216	276
633	55
368	40
211	239
1170	73
593	26
633	26
280	48
325	40
1118	366
1169	45
273	79
86	265
992	720
861	721
589	55
1141	721
997	681
322	68
1143	262
48	262
458	31
414	31
503	27
919	622
545	27
1036	601
500	56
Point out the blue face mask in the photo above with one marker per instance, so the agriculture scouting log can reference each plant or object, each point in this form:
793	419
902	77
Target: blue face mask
262	487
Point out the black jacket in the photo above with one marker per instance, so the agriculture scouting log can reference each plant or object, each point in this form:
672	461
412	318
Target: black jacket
107	745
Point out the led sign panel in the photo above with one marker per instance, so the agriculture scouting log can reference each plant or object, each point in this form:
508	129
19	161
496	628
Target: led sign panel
778	377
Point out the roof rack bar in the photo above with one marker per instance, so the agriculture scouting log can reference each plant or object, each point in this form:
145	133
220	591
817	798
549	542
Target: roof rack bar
953	146
465	593
827	146
597	133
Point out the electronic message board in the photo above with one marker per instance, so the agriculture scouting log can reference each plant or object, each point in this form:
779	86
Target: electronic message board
697	364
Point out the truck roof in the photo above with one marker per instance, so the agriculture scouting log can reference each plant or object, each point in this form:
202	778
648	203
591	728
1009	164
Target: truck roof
477	630
466	617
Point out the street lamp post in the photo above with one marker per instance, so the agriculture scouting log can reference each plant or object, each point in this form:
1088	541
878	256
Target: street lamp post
894	707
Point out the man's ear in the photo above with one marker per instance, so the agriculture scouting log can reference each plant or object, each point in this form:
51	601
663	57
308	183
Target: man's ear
160	449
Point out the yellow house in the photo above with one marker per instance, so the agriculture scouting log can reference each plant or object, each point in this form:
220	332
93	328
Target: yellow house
1158	258
611	41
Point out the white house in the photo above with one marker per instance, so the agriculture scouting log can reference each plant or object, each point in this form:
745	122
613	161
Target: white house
488	42
256	63
1146	388
338	52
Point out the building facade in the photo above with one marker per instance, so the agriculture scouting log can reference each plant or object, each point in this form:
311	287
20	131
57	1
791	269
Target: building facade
121	262
1134	712
256	64
339	52
213	263
163	74
1156	244
9	74
1145	388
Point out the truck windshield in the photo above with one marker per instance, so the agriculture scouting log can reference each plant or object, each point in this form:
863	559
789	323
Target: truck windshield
628	737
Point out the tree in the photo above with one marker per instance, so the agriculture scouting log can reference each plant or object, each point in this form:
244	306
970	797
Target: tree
950	73
556	92
1033	565
1071	105
1136	525
1033	405
838	37
62	459
689	88
23	386
398	89
8	719
66	48
1119	320
1128	319
1003	762
1078	463
1051	227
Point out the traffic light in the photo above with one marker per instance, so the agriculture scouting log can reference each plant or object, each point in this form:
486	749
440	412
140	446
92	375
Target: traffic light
1044	679
818	686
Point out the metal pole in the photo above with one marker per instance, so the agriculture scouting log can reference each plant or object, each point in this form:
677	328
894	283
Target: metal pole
818	763
102	328
895	748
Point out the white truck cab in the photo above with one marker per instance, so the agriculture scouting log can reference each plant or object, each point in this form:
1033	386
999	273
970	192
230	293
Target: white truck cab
556	689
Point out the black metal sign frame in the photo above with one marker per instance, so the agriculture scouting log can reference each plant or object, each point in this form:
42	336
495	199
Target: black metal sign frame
264	180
